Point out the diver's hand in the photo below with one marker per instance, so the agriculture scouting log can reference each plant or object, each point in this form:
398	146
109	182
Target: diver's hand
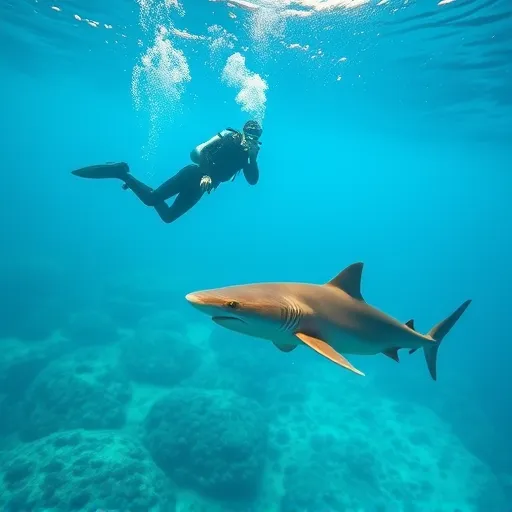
253	151
206	184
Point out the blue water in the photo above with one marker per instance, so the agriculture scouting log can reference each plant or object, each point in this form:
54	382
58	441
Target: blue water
387	139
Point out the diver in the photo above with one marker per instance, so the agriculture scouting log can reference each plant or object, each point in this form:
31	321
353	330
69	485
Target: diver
218	160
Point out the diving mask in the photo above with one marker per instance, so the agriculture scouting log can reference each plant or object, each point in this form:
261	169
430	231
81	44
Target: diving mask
251	140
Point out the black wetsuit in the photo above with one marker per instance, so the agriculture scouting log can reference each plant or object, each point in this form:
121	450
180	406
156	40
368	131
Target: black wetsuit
221	161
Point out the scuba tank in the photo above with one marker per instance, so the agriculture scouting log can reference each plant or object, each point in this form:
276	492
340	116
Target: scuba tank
195	155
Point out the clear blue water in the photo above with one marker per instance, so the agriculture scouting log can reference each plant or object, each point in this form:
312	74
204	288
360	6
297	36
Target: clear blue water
387	139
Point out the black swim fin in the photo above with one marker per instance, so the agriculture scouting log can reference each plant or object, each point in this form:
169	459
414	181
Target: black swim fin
103	171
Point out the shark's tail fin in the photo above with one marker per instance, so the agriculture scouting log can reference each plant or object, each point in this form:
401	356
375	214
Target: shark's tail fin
437	333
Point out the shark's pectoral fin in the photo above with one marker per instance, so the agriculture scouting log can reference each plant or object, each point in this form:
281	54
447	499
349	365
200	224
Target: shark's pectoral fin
326	350
284	347
392	353
412	350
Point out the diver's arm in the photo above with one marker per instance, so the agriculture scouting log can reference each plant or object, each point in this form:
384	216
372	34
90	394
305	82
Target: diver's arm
251	170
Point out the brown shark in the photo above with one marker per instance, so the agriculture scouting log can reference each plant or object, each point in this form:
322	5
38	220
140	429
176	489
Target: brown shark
332	319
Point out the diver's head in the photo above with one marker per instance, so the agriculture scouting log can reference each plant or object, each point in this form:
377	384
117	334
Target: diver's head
252	131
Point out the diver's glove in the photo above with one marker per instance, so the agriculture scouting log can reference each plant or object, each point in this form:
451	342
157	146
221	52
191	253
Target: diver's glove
206	184
253	150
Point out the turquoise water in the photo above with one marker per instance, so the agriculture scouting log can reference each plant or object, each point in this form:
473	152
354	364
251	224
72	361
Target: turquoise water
387	140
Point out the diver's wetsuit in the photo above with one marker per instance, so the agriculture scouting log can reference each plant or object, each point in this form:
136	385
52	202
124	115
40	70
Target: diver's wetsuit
221	161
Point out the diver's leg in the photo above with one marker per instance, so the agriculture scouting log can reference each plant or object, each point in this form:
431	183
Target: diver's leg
146	194
185	200
182	180
189	194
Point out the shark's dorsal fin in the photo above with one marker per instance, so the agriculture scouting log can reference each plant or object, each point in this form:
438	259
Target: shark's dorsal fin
349	280
410	324
327	351
284	347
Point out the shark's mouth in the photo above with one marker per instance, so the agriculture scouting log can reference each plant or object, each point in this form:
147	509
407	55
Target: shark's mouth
226	319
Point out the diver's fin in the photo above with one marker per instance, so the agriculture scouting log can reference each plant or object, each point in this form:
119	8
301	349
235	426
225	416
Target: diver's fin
349	280
410	324
326	350
392	353
284	347
437	333
102	171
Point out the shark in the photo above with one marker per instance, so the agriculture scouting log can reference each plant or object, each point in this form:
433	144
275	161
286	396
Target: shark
333	319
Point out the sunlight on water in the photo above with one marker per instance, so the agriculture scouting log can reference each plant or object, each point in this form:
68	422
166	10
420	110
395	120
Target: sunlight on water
267	22
154	12
251	96
160	77
296	8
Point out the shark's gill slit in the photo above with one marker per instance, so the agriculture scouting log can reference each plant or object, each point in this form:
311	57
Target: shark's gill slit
292	316
285	313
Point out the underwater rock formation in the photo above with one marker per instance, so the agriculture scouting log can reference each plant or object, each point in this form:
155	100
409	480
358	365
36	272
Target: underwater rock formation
239	361
84	390
213	441
20	364
90	328
158	357
382	455
80	470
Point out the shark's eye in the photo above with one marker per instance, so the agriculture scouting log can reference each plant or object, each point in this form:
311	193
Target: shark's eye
232	304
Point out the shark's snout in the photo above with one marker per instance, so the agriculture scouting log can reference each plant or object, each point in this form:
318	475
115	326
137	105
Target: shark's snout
204	301
193	298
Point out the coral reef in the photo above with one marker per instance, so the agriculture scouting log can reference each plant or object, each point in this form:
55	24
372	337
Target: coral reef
20	364
81	470
390	456
209	440
89	422
84	390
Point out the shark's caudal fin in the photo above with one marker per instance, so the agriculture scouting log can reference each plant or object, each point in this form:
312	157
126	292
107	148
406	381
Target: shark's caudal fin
437	333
